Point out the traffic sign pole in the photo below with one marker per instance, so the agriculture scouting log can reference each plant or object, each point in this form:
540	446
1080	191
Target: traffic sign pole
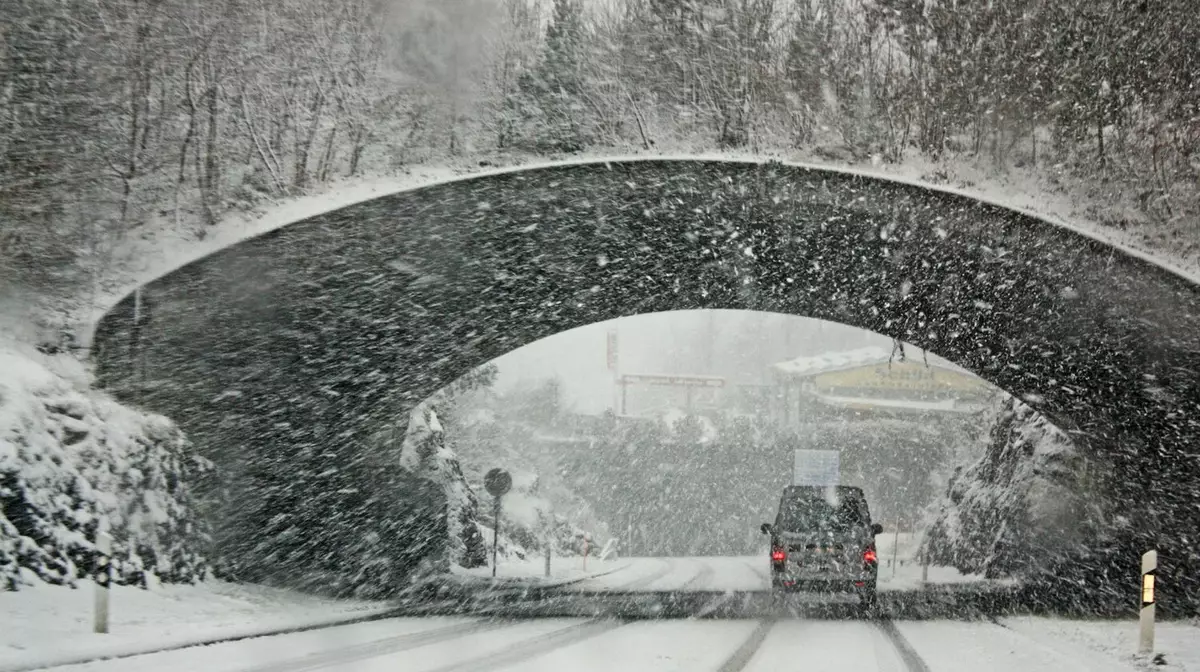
497	482
495	534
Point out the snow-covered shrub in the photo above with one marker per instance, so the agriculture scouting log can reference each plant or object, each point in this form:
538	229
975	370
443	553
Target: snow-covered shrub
521	434
71	460
1023	504
524	515
528	522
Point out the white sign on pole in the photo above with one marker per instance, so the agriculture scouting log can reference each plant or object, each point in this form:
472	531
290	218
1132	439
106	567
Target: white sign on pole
816	467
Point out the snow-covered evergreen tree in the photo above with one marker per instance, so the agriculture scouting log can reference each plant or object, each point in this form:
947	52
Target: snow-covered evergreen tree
554	92
426	454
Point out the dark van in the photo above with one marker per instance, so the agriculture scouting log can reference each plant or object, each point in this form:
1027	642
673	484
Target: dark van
823	540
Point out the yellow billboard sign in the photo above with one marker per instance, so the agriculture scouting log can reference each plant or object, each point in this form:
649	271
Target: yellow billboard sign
907	376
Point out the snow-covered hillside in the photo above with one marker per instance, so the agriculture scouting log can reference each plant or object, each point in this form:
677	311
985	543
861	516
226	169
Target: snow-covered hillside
73	460
1022	504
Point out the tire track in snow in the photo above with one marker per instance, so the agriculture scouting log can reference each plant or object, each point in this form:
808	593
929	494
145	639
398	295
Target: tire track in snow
381	647
739	658
766	580
638	584
526	649
908	655
702	577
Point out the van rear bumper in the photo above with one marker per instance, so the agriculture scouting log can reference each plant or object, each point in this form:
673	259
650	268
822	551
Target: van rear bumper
855	584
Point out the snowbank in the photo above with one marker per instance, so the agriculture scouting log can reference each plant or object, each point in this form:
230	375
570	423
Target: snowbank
73	460
564	571
1178	642
52	625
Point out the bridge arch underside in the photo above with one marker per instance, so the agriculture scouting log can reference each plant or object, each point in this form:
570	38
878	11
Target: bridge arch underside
315	333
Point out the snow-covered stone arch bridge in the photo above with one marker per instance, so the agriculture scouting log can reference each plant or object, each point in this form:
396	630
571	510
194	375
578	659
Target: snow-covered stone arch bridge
312	334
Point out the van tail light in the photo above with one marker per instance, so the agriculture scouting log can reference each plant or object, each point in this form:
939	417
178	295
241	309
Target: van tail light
869	557
778	554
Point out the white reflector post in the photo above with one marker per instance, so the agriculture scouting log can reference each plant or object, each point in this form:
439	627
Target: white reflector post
103	578
1149	572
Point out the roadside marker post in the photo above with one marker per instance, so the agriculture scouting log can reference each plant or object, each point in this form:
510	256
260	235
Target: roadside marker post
547	536
103	579
1149	573
895	547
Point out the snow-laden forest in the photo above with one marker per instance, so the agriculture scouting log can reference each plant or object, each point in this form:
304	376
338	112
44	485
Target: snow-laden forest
118	115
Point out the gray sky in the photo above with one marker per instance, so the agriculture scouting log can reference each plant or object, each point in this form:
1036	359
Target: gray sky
744	344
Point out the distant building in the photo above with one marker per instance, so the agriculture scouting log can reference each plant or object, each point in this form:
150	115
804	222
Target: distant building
871	383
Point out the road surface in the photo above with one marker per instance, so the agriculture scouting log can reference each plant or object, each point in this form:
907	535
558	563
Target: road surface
780	641
553	645
741	574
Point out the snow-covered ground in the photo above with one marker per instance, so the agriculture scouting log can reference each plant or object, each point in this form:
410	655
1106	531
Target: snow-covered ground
556	644
55	623
52	625
899	568
1177	641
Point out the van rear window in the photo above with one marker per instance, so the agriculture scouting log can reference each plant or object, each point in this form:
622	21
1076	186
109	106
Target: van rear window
798	514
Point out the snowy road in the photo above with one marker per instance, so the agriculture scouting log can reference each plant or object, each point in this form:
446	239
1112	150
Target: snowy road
739	574
553	645
748	637
674	574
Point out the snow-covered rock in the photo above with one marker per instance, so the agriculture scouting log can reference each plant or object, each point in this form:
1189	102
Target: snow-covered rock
1023	504
72	460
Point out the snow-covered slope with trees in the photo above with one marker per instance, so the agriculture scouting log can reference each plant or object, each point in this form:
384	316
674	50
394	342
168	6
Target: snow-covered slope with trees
527	431
73	460
1024	504
208	115
451	441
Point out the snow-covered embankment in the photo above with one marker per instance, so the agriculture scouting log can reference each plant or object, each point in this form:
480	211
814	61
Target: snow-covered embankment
73	460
